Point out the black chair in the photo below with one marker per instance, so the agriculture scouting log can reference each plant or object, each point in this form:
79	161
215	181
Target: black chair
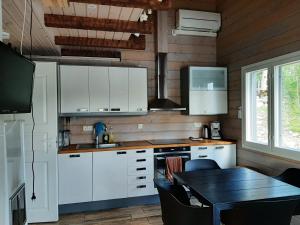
175	212
201	164
260	213
292	177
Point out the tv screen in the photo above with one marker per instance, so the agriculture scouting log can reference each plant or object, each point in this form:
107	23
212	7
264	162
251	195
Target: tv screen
16	81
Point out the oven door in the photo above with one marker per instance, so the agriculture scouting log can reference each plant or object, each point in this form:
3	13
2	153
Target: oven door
160	163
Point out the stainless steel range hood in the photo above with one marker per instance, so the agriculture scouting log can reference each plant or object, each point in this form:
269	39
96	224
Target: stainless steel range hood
162	103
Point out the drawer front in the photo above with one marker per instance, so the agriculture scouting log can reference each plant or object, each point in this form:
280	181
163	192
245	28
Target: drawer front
140	161
140	179
140	170
202	152
144	153
142	189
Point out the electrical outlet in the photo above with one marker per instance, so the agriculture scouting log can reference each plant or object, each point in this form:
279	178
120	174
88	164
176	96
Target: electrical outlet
87	128
140	126
197	125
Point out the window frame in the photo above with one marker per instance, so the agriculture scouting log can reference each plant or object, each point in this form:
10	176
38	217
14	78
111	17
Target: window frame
273	94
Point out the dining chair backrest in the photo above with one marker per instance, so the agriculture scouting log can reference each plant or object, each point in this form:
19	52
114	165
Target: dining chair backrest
290	176
261	213
201	164
175	212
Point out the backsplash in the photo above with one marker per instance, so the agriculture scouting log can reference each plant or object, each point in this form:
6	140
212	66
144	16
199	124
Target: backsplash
156	125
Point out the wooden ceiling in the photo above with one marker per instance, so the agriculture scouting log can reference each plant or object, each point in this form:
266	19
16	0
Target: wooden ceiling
80	23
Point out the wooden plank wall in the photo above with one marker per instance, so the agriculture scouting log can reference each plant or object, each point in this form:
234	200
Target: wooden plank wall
183	50
253	31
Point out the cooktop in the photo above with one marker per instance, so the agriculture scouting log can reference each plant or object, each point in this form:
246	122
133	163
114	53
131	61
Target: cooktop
168	141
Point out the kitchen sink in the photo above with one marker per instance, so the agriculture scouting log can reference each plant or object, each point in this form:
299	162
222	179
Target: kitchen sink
86	146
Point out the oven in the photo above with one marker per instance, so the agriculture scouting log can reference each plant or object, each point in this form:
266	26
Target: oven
161	154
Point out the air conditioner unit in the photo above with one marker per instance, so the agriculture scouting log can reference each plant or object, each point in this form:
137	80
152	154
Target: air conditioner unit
197	23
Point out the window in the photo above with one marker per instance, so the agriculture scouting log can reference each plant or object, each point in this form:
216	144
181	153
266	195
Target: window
271	106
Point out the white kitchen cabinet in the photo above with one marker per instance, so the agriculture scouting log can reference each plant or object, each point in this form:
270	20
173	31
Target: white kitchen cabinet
99	89
138	101
75	178
109	175
74	82
204	90
119	91
224	155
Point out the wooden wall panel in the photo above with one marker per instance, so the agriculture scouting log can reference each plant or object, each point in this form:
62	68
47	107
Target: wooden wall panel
253	31
158	125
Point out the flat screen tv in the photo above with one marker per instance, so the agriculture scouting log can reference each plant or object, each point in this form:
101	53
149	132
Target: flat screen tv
16	81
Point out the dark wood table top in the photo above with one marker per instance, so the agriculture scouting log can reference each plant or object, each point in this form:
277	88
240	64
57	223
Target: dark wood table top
235	185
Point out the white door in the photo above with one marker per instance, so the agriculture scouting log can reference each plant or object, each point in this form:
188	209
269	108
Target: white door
118	78
138	100
99	89
109	175
45	207
225	155
74	89
75	178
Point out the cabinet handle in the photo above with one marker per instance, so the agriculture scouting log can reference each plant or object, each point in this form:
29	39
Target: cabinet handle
141	178
141	151
141	186
202	148
103	110
141	160
115	109
121	153
74	156
82	110
202	156
219	147
140	169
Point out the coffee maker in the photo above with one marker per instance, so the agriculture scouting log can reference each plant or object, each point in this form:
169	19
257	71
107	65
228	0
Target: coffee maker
215	129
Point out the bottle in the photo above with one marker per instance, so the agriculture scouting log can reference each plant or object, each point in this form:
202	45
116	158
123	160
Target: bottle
105	137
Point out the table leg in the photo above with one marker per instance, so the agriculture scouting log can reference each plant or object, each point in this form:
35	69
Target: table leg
216	215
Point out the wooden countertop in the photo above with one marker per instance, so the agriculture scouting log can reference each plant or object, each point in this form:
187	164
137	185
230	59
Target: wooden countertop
130	145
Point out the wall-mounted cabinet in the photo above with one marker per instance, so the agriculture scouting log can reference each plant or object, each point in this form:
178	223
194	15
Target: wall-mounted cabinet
86	90
204	90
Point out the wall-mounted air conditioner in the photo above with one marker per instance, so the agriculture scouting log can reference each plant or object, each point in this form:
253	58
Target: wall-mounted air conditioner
197	23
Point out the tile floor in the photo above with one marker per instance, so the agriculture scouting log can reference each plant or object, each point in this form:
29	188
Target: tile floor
139	215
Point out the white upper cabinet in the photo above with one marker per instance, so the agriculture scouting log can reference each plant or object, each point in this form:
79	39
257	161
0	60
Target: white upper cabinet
74	89
138	101
118	78
99	89
204	90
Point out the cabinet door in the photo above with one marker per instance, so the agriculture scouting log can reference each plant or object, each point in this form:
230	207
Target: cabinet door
118	78
109	175
225	155
74	89
208	102
75	178
99	89
138	100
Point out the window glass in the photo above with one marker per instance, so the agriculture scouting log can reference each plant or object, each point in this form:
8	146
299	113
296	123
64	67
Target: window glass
257	106
287	112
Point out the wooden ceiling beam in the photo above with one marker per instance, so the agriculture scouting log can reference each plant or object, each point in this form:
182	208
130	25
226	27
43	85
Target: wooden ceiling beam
56	3
144	4
89	23
91	53
136	43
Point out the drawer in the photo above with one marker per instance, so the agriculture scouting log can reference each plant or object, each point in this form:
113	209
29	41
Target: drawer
202	152
140	170
140	179
145	153
140	161
141	189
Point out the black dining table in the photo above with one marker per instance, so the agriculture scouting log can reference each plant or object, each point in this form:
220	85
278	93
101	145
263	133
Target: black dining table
222	189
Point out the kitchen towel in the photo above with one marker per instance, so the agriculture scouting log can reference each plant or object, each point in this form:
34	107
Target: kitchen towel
173	165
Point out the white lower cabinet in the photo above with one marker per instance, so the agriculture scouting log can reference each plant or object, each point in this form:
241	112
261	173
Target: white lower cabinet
75	178
109	175
224	155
